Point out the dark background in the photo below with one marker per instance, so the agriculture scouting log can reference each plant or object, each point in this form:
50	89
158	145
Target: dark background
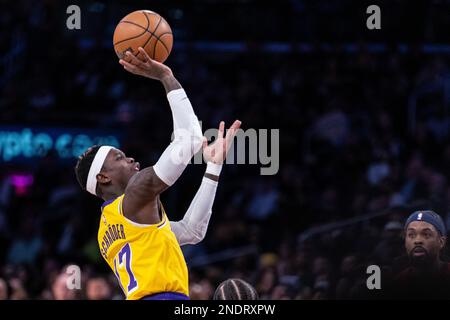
364	136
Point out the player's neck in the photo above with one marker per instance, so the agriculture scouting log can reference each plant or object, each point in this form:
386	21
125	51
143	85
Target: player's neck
111	194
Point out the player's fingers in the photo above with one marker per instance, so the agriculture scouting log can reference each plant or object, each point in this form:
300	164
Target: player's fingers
130	68
231	133
236	125
126	57
145	55
233	130
221	129
205	143
141	56
127	65
133	60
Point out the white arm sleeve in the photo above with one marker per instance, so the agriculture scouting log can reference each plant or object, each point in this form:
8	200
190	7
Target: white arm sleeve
187	139
192	229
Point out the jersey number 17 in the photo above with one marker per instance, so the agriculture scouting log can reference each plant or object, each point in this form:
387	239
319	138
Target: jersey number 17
125	255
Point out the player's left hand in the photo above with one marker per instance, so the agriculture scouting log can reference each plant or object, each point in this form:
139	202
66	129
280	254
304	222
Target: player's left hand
217	151
145	66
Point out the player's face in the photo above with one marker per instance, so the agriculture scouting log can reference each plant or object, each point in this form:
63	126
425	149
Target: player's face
423	242
120	168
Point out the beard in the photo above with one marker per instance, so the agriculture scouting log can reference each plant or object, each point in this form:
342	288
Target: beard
420	258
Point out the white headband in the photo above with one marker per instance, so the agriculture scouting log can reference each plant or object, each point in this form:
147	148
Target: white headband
96	166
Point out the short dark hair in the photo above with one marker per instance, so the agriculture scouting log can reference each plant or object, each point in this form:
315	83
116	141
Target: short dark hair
235	289
84	164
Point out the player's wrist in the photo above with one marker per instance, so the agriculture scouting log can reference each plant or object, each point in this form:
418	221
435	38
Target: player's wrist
169	82
166	75
214	168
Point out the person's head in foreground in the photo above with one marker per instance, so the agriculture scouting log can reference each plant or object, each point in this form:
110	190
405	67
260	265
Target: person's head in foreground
105	171
98	288
235	289
425	237
60	289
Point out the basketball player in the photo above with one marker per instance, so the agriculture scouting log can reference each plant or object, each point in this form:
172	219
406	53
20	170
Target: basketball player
235	289
136	238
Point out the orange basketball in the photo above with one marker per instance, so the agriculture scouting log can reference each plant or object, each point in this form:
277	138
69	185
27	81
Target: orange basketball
146	29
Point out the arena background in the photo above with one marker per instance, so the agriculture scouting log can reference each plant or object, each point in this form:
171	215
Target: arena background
364	137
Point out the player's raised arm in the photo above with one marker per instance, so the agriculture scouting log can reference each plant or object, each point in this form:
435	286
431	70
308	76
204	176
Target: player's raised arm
145	186
192	228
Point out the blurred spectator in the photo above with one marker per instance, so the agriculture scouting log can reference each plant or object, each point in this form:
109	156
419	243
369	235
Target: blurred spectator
27	245
60	289
266	283
3	290
97	288
18	291
426	276
391	245
202	290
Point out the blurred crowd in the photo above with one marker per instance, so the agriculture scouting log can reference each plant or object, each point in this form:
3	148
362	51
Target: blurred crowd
360	133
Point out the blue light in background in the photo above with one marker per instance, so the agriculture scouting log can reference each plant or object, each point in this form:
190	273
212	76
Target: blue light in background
26	144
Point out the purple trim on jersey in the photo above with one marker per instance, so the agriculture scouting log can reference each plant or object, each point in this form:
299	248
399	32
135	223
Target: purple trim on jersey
166	296
108	202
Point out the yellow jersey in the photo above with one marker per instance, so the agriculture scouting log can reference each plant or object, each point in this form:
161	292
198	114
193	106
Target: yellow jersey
146	259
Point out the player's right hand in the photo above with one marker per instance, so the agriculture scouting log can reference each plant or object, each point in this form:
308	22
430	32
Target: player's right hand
146	67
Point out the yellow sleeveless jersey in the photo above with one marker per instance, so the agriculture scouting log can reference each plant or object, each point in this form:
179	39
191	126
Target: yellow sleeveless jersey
146	259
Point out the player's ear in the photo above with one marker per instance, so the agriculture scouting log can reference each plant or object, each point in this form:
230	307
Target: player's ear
103	178
442	241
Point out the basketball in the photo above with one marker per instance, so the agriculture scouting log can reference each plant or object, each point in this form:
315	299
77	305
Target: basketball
146	29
